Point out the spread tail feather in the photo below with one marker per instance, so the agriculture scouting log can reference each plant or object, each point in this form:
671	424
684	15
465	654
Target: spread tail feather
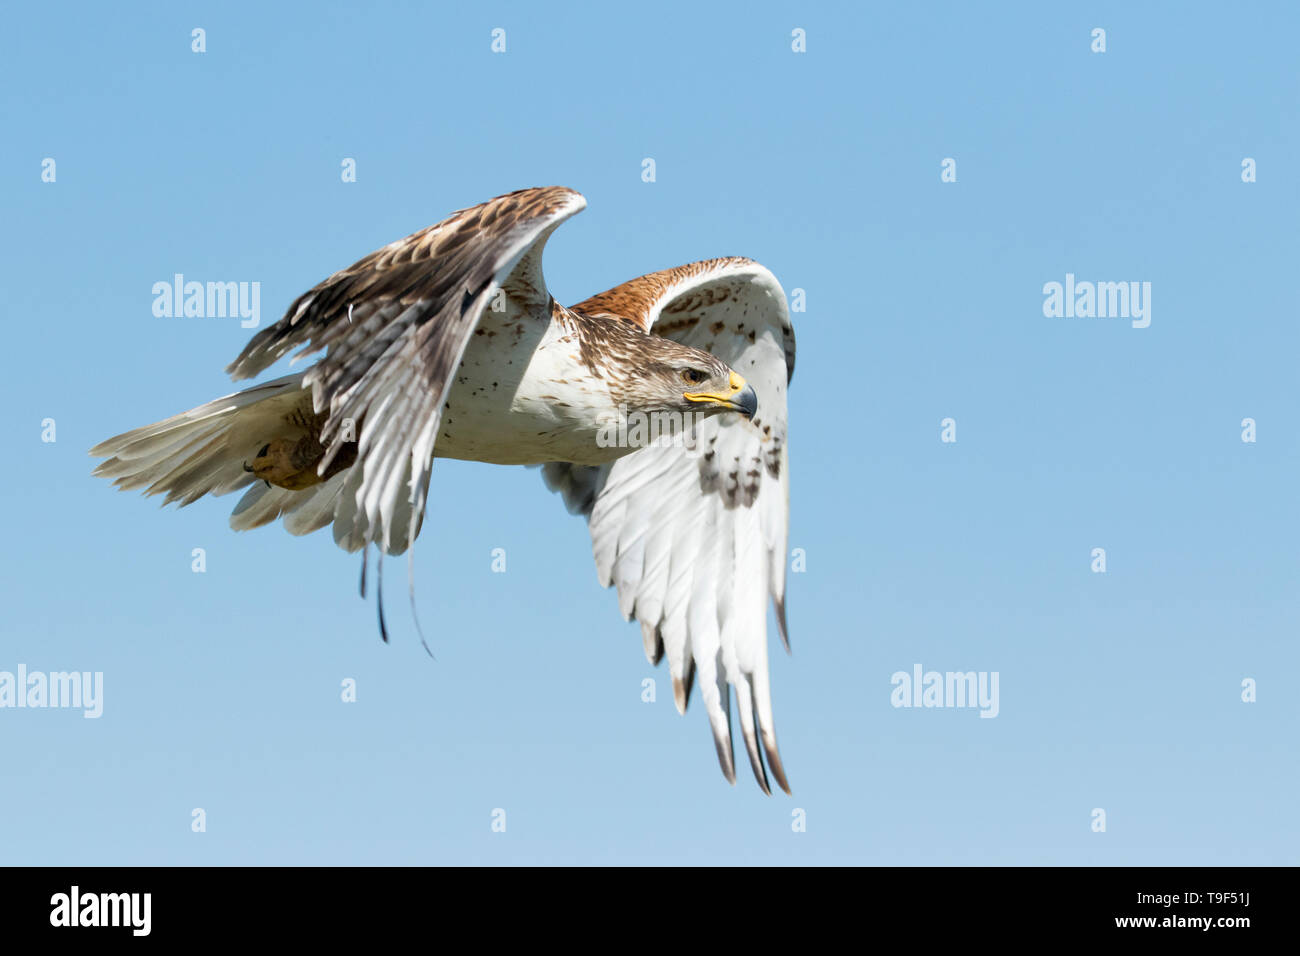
207	450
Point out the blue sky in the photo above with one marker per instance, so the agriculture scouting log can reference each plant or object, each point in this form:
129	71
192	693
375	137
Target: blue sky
1119	691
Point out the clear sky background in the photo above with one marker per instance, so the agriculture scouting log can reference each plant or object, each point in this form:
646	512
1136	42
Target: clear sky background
1119	691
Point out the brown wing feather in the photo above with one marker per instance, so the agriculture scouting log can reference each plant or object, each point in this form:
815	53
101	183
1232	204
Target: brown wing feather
394	326
427	266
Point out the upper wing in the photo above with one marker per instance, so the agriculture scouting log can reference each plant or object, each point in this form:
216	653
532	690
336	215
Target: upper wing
395	326
695	539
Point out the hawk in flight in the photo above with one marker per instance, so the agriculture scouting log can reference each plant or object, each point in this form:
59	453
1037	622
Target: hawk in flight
448	344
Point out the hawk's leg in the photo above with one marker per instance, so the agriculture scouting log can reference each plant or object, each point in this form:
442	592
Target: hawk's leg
292	463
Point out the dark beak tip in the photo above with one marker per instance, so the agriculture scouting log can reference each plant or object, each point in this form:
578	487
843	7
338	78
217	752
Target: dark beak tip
748	402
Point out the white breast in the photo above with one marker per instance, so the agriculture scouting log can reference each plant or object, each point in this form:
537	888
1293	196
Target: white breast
522	395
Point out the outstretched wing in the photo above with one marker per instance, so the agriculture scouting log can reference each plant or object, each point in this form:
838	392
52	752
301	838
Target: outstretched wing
394	327
695	538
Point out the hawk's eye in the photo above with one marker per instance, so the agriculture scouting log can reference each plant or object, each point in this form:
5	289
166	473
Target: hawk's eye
693	376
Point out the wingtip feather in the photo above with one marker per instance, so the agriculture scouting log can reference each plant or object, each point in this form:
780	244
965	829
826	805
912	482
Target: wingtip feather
779	605
726	759
774	762
653	643
682	688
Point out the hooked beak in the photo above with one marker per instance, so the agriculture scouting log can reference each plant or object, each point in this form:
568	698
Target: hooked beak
746	402
739	397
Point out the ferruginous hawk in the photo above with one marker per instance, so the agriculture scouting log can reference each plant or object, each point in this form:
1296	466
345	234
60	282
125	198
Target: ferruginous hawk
447	344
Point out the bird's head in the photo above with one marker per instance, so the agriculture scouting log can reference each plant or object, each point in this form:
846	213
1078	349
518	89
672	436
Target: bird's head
673	377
